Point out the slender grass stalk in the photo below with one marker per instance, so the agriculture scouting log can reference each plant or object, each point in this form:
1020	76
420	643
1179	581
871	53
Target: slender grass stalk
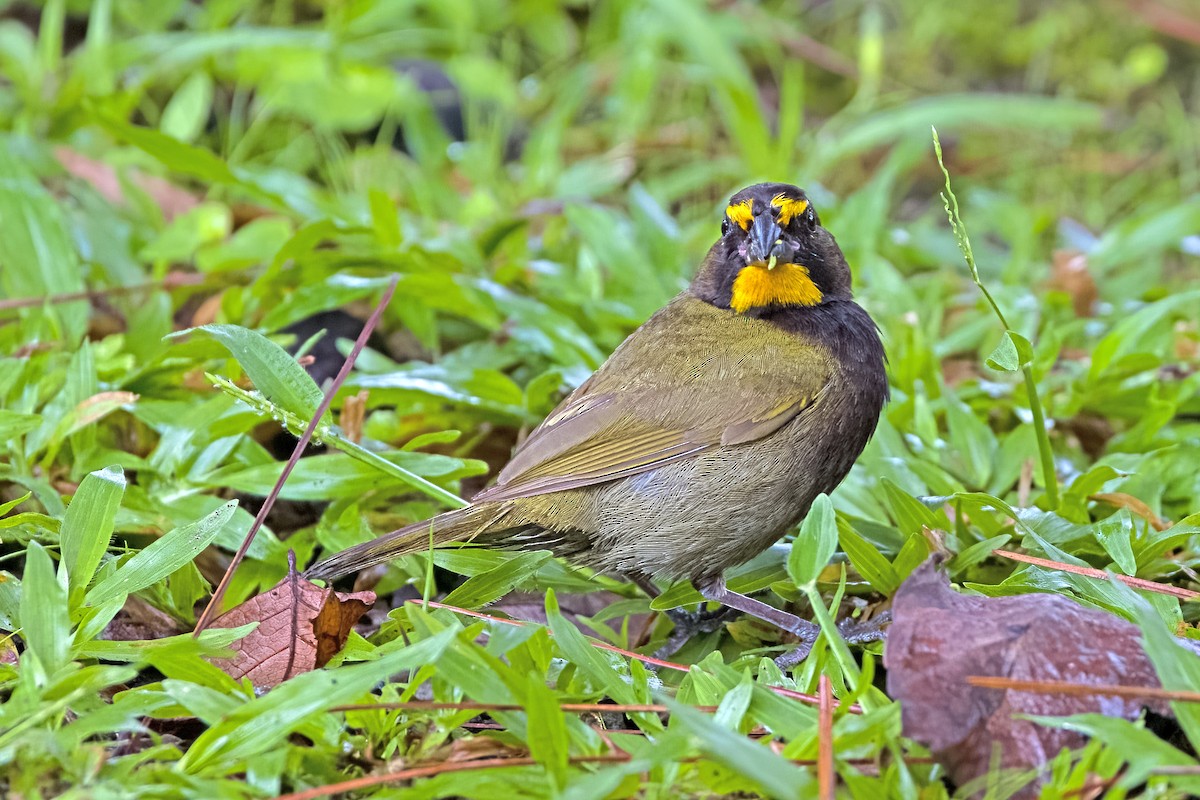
330	436
950	202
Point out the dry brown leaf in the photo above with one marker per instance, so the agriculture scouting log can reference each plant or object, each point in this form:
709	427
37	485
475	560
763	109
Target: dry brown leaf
208	310
1092	430
300	627
101	405
473	748
1070	274
139	621
940	637
1135	506
171	199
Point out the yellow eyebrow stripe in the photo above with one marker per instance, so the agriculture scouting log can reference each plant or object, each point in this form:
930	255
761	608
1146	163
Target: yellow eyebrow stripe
789	209
740	213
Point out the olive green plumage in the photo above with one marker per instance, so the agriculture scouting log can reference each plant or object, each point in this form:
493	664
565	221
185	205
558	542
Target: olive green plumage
708	433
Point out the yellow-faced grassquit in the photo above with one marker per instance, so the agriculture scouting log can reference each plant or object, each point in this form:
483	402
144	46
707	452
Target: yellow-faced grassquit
708	432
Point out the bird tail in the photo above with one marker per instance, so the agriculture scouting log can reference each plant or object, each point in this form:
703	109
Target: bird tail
460	525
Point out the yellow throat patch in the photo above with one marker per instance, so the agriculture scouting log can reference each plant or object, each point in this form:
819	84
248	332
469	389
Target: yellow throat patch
785	285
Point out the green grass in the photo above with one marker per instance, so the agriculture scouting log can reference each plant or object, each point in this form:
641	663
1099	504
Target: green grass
602	142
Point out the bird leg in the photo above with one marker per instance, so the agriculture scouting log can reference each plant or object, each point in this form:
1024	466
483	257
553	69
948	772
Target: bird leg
873	630
716	590
690	623
687	623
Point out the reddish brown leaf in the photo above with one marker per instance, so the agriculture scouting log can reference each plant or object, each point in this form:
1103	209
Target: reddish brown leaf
1165	19
300	627
171	199
8	649
1070	274
939	638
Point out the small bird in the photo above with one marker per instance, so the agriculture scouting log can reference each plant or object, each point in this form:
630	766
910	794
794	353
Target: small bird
709	431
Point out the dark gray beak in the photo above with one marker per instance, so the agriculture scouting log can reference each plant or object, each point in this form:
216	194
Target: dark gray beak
764	233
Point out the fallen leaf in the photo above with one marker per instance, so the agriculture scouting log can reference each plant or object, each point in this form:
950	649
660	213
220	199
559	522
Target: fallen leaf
8	649
300	627
939	638
1170	21
473	748
99	406
170	198
1135	506
139	621
1069	273
1093	432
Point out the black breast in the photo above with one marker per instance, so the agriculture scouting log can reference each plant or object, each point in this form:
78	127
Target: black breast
853	339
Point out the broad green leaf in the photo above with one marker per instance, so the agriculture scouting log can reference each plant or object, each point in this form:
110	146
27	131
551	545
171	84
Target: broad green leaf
184	158
594	663
1115	535
10	601
547	732
911	555
779	777
1141	749
45	625
187	112
958	111
88	526
1128	337
162	557
487	587
37	255
478	673
13	424
972	441
1178	668
977	552
273	370
11	504
911	514
877	570
1013	353
815	544
733	705
389	467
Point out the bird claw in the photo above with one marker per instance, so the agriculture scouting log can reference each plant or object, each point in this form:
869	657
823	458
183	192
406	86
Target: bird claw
873	630
851	630
690	623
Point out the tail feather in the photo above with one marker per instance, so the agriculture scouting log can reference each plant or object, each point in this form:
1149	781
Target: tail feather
460	525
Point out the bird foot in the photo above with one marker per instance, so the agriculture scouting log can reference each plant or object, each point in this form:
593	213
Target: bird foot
690	623
873	630
851	630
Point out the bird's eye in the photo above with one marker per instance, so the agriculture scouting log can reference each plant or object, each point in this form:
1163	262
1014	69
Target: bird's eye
810	216
725	226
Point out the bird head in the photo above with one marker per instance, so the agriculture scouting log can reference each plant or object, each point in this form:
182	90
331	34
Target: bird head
772	253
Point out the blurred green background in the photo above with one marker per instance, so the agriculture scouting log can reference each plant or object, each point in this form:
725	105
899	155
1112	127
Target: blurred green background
543	176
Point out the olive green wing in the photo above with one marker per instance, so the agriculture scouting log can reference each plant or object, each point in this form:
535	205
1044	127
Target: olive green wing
694	377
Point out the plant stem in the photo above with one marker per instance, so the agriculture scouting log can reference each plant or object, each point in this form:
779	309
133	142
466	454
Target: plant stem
1045	453
1043	438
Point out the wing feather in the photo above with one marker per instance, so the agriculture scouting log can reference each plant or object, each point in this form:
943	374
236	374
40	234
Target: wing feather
651	403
